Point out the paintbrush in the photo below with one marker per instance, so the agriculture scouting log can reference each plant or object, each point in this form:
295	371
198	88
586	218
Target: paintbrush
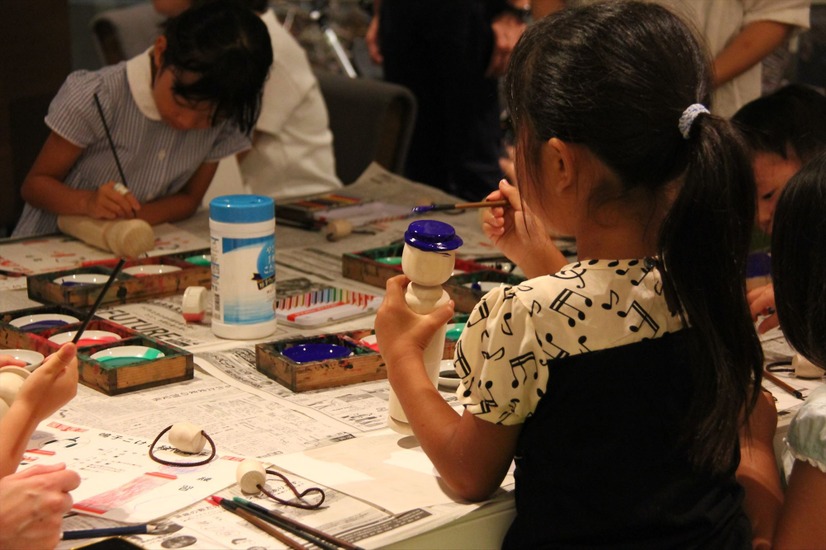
782	385
98	300
143	529
458	206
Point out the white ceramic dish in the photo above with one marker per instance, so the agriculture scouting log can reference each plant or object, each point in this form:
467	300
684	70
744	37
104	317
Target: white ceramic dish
82	279
138	353
150	269
42	320
447	375
32	358
88	338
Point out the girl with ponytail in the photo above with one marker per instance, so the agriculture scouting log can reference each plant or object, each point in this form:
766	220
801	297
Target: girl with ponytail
618	383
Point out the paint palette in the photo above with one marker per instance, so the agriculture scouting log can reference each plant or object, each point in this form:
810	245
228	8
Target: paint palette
112	359
324	361
138	280
466	287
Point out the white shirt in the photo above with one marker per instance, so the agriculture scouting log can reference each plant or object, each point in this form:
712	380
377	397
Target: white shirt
719	21
292	153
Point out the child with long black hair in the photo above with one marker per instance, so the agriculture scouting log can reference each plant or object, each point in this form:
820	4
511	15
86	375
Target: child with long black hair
173	112
617	383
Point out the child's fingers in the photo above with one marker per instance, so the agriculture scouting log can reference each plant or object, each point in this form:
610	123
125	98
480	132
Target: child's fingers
57	362
9	361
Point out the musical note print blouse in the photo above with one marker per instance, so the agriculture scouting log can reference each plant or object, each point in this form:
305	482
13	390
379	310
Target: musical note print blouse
515	331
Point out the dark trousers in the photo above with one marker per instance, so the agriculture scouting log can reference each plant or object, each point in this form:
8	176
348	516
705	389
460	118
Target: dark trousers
440	50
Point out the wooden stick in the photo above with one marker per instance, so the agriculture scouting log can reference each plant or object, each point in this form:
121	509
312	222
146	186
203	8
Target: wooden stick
781	384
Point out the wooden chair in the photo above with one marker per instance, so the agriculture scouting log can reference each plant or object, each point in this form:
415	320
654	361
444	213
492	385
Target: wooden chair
371	120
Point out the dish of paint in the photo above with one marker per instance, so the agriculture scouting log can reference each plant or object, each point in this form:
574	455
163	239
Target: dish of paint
447	375
309	353
484	286
390	260
126	355
32	358
370	342
150	269
454	331
200	259
82	279
41	321
88	338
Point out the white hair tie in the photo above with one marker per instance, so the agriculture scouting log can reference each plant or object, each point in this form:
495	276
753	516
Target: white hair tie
688	116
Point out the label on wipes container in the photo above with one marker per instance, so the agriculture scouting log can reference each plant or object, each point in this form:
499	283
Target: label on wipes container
243	279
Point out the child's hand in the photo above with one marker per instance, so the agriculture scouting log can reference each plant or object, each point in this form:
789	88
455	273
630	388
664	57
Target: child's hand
9	361
51	385
519	234
761	302
112	201
32	504
401	333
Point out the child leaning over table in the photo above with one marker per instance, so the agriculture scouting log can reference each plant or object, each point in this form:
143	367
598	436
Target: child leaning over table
173	113
799	278
616	383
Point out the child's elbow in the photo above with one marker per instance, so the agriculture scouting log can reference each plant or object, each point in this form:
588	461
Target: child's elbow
473	490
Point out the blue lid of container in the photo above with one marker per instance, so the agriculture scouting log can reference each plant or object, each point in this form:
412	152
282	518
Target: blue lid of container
432	235
241	208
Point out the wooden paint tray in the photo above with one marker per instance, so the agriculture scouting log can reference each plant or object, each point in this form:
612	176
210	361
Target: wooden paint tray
376	265
139	280
112	379
106	377
362	365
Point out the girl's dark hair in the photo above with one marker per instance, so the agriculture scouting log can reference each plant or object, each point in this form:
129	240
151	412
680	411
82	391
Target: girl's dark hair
229	48
616	78
799	260
788	121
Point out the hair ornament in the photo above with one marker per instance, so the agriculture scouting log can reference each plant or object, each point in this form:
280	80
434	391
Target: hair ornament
688	116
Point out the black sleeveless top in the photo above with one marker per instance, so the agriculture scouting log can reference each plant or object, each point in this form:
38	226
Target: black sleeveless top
617	476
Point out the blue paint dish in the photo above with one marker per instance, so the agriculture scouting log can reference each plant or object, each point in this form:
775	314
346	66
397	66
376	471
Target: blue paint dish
311	353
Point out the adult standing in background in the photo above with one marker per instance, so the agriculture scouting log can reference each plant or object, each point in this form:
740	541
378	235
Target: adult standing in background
292	149
450	55
739	34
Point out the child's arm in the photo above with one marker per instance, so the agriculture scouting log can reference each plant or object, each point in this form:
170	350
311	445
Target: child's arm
802	525
758	473
44	188
471	455
519	234
182	204
749	47
48	388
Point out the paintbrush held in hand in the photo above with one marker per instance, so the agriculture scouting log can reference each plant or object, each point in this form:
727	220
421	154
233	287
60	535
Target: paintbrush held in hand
458	206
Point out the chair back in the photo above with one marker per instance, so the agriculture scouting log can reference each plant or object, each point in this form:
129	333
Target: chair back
370	120
123	33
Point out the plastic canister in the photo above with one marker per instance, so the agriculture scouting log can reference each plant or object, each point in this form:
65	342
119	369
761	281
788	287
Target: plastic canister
242	240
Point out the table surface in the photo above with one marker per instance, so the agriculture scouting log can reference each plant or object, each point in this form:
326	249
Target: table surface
264	420
249	415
